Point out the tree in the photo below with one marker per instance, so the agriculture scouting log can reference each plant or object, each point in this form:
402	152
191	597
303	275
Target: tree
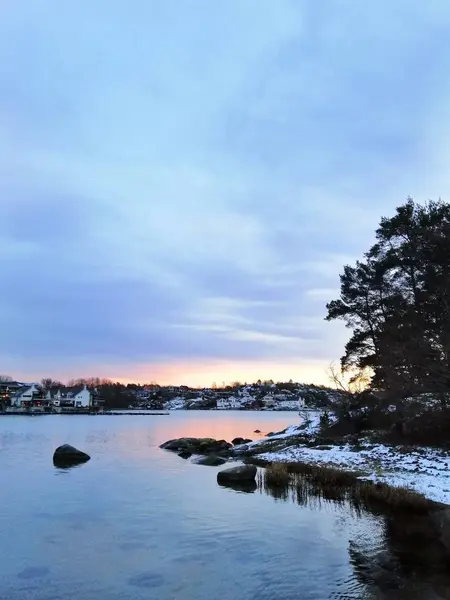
397	302
48	383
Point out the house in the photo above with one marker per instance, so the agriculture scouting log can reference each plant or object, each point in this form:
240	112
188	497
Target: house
230	403
28	397
76	398
268	400
24	396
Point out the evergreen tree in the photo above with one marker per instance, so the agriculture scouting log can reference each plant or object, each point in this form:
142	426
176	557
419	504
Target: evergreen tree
397	302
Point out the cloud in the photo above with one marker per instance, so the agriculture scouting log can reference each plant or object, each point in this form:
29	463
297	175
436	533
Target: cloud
181	183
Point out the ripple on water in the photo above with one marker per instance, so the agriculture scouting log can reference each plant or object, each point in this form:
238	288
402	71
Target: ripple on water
33	572
147	580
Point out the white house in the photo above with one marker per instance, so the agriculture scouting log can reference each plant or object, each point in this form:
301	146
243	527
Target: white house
230	403
83	398
24	395
77	397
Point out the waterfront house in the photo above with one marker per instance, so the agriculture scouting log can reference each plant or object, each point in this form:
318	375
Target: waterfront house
24	396
75	398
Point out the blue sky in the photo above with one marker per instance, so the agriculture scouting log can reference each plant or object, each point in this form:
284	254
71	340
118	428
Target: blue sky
181	181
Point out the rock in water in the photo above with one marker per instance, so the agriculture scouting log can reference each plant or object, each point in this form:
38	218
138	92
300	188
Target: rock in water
185	454
241	473
210	460
198	446
67	456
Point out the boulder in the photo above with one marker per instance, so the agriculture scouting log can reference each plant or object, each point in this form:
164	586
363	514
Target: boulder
238	441
67	456
185	454
210	460
234	474
198	446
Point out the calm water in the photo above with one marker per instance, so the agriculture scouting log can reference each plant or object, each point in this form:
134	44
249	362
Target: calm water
137	522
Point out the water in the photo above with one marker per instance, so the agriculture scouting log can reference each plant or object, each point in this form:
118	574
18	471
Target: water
137	522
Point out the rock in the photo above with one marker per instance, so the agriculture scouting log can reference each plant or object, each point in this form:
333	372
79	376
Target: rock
198	446
237	441
210	460
67	456
241	473
271	434
257	431
185	454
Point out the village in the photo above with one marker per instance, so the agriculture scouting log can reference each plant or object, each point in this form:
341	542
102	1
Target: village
35	398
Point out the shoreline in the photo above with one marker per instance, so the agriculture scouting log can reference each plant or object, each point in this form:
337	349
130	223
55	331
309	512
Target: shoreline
421	470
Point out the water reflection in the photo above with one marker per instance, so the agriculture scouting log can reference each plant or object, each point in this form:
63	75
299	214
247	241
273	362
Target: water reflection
405	561
246	487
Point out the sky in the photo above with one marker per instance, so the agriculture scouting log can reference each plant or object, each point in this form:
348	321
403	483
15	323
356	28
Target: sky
182	181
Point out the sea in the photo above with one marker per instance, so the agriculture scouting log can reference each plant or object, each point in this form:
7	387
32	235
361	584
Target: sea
137	522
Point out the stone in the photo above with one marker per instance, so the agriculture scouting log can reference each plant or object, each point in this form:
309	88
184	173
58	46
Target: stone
210	460
198	446
67	456
237	441
185	454
234	474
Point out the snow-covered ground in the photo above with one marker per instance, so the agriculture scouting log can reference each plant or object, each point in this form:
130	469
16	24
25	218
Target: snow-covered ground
423	470
175	404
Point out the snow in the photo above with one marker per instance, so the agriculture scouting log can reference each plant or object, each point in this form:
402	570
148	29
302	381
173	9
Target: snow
423	470
176	403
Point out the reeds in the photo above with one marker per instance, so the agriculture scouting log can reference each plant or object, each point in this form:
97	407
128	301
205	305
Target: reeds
303	482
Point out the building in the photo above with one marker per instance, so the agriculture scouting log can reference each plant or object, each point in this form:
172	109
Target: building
230	403
24	396
283	401
28	398
76	398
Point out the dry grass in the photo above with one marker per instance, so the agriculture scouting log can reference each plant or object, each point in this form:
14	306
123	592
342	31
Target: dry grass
277	474
302	482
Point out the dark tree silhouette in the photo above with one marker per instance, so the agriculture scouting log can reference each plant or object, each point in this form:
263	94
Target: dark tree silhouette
397	303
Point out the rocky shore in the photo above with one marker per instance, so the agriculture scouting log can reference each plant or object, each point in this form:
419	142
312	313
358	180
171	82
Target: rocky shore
423	470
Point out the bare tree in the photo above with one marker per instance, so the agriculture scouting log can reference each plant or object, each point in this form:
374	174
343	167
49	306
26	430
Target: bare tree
353	382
